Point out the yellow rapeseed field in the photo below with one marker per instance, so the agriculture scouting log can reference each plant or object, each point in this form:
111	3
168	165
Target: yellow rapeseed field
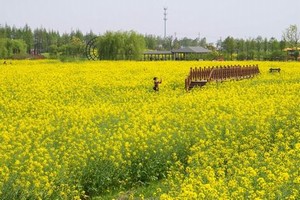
75	130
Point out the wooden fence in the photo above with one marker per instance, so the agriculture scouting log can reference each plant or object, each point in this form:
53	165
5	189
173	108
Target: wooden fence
200	76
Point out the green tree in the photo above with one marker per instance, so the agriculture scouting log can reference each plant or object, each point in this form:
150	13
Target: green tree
239	46
74	49
64	39
176	44
40	43
167	43
3	32
27	36
186	42
228	46
89	36
296	54
3	48
121	46
282	44
151	42
241	56
273	44
259	47
12	47
134	45
53	51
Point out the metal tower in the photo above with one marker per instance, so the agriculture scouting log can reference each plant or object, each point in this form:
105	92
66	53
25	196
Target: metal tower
165	19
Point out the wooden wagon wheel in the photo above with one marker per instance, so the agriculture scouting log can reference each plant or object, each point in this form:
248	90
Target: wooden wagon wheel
91	49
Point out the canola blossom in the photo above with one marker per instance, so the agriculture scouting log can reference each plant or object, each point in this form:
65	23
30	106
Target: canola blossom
76	130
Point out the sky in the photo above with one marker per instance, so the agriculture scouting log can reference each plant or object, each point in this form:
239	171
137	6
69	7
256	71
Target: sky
212	19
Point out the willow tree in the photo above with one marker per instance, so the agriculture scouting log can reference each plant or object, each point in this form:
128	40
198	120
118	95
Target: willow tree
121	46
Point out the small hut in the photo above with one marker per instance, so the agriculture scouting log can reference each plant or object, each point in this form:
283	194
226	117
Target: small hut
292	53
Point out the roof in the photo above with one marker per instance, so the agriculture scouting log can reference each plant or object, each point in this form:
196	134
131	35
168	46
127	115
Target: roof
291	49
157	52
191	50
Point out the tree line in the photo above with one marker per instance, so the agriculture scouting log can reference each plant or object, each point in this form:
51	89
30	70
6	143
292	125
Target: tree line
26	43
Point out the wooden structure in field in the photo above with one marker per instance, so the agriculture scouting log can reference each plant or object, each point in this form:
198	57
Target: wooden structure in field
187	52
184	53
158	55
200	76
292	53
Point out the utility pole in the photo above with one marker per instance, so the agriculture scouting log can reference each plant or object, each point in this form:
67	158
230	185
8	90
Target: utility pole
165	19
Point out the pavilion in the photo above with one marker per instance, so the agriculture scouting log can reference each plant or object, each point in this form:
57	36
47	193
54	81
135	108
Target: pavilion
186	52
183	53
158	55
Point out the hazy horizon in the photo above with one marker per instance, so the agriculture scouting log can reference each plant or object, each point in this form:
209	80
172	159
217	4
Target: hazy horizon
212	19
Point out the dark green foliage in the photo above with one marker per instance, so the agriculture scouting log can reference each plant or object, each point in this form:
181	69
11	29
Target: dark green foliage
121	46
131	45
9	47
241	56
228	46
296	54
278	56
253	49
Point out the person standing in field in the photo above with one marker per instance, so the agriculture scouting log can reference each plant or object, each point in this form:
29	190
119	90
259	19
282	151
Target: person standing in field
156	84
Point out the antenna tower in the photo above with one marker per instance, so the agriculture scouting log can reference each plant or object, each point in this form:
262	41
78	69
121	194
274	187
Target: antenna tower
165	19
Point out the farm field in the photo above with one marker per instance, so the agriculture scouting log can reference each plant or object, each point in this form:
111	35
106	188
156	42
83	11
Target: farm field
85	129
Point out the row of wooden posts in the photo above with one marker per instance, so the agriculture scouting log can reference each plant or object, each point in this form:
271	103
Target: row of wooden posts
200	76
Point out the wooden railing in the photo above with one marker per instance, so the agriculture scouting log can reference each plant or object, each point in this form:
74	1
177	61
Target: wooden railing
200	76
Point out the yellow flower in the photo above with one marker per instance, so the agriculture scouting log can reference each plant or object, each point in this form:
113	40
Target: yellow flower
66	127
